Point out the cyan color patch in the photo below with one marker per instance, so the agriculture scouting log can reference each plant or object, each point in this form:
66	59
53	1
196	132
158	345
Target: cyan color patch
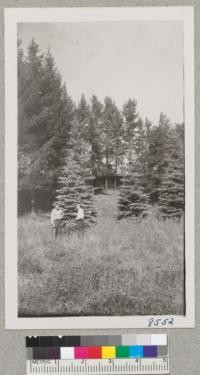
136	351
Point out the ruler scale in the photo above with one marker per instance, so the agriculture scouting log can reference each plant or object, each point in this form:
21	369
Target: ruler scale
100	355
99	367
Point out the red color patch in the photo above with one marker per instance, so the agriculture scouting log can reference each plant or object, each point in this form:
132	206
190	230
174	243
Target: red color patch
94	352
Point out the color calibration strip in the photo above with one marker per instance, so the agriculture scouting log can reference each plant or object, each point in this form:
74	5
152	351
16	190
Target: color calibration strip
100	347
100	355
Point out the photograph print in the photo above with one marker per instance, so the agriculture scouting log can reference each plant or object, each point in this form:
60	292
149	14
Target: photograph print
101	156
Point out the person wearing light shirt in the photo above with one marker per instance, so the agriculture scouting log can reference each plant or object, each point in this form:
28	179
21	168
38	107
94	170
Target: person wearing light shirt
80	212
56	217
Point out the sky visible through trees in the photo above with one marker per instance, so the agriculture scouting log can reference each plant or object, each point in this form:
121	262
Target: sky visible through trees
142	60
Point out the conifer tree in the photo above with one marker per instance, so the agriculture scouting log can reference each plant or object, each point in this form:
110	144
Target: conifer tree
171	191
83	116
109	110
133	200
95	135
44	119
140	138
75	181
160	146
131	123
117	140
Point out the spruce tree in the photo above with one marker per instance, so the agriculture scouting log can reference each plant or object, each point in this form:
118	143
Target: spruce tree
75	181
133	200
160	146
45	112
171	192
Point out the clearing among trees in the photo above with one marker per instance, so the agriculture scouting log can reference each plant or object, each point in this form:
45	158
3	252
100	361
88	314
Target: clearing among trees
121	267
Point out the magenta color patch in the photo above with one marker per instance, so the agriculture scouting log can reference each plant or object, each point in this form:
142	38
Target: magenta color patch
81	352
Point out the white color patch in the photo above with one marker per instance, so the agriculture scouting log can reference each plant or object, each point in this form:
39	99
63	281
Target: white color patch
158	339
67	353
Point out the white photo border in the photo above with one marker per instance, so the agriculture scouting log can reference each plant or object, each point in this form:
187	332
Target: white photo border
12	17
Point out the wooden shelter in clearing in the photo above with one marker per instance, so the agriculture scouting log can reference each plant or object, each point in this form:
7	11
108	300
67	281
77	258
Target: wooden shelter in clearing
108	179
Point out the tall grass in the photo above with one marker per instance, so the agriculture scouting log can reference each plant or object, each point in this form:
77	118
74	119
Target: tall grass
113	268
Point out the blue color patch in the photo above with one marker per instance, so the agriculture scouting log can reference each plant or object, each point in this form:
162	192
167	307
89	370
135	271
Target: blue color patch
136	351
150	351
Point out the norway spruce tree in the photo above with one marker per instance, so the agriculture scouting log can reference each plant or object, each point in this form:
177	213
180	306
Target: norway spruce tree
133	200
45	112
171	192
75	182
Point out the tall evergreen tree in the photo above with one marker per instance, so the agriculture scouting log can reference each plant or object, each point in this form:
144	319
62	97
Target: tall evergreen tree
131	123
83	116
117	139
148	127
75	181
159	148
44	120
140	141
171	192
95	135
171	197
29	96
112	138
108	129
133	200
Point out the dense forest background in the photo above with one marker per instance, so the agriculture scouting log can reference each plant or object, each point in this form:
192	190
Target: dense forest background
67	153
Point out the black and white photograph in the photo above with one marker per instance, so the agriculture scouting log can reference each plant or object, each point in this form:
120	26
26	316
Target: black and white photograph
104	213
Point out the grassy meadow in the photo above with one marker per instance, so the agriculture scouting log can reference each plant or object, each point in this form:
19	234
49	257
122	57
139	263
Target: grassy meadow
113	268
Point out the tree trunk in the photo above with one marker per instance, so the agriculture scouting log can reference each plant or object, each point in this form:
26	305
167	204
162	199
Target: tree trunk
116	163
32	203
106	184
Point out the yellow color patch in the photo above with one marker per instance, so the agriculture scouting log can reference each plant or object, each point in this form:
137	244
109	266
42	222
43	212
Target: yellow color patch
108	352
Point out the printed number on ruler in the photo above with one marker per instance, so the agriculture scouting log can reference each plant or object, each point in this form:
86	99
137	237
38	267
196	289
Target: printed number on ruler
99	367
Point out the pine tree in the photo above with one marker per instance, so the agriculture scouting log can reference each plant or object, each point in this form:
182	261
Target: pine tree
171	192
133	200
75	182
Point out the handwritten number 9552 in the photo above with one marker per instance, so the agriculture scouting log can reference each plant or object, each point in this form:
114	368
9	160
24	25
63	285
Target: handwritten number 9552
159	322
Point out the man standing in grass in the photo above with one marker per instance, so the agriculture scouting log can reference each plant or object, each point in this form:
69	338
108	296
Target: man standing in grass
56	217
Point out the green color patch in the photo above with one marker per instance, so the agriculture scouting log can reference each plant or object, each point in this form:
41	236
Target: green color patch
122	352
